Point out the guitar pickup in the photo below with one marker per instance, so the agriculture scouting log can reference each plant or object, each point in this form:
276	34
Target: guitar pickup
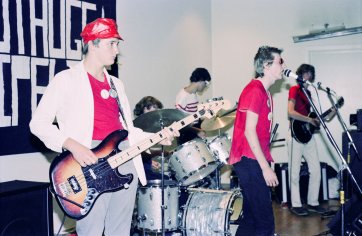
74	184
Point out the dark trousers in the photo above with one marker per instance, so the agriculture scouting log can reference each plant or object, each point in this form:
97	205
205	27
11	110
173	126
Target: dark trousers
258	218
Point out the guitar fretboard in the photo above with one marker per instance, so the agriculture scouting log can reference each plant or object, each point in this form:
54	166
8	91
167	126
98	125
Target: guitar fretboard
140	147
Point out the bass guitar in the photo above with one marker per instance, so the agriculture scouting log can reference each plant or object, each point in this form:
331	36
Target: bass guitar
76	188
303	131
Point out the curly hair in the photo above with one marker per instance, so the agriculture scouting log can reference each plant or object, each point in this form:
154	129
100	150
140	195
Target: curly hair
146	102
305	68
200	74
264	55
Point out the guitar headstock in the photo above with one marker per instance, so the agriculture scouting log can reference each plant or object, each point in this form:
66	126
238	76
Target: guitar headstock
211	108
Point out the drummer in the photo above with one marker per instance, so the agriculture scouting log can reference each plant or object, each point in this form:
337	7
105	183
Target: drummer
145	105
187	101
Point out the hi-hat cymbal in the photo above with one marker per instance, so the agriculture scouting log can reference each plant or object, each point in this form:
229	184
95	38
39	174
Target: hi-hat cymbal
154	120
221	120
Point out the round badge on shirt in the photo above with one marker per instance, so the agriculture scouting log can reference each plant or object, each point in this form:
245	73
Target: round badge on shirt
104	94
113	93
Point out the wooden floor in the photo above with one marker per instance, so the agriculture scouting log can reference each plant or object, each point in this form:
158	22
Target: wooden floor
289	224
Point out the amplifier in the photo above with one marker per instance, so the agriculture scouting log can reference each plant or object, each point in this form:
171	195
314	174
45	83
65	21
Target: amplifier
26	209
283	189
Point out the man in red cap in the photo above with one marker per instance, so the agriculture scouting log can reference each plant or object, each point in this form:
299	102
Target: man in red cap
88	105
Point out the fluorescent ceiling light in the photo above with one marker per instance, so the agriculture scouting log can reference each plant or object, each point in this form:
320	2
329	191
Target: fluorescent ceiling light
327	34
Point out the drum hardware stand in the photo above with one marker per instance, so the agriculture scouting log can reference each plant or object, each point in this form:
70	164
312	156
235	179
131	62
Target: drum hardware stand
334	144
163	206
218	168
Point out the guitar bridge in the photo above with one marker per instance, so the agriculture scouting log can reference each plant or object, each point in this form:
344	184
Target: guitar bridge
63	189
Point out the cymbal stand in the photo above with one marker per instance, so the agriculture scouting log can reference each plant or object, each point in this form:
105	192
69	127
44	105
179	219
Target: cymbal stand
163	206
218	169
334	144
217	176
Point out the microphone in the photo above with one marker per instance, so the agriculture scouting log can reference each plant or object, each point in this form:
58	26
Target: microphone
290	74
326	89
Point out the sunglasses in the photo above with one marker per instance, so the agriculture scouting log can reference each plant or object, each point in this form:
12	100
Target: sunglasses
281	62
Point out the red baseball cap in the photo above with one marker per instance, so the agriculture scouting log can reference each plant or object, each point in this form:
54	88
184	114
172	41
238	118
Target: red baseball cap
101	28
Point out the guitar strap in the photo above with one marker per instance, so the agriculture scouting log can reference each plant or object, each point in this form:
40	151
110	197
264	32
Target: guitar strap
113	93
291	131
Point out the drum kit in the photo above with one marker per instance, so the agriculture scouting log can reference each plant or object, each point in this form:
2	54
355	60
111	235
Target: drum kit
180	205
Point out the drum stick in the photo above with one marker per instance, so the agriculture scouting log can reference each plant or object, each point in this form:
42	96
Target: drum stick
273	133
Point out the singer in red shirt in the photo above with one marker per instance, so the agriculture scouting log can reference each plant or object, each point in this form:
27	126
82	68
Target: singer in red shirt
250	154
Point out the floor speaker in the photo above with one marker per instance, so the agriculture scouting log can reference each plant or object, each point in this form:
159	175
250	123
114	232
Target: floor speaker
283	189
26	209
354	163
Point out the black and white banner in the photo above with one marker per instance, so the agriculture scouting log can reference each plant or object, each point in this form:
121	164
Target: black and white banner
38	38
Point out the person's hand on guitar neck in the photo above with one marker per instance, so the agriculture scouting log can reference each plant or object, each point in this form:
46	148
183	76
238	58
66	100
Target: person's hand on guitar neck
83	155
170	135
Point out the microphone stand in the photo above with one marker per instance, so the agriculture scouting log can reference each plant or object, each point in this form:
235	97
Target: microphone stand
351	142
334	144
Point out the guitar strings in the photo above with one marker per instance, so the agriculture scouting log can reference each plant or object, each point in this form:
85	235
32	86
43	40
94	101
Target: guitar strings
84	179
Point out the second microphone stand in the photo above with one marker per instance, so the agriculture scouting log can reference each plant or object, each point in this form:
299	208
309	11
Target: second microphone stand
334	144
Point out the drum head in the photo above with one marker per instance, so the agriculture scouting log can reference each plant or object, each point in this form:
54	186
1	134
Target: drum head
192	162
209	212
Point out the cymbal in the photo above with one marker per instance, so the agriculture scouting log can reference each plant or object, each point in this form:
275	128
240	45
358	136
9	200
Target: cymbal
151	121
221	120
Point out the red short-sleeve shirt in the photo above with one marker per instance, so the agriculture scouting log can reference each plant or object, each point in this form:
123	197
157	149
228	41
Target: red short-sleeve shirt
253	98
301	101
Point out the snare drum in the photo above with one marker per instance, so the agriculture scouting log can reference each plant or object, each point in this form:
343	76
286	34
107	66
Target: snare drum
192	162
220	147
149	202
208	212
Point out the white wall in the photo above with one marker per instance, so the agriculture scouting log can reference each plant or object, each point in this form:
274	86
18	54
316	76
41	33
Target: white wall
165	40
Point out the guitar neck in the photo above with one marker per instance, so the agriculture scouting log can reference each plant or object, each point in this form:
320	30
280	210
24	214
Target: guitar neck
140	147
338	105
326	113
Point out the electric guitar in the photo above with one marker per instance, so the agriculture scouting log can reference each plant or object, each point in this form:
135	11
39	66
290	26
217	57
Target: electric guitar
76	188
303	131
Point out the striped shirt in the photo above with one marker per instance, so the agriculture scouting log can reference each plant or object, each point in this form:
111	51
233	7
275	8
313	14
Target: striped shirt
186	102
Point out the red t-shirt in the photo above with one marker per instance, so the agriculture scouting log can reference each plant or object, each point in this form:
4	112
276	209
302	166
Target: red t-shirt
302	104
106	111
253	98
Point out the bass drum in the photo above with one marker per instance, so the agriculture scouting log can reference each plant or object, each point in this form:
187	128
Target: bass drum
192	162
209	212
149	202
